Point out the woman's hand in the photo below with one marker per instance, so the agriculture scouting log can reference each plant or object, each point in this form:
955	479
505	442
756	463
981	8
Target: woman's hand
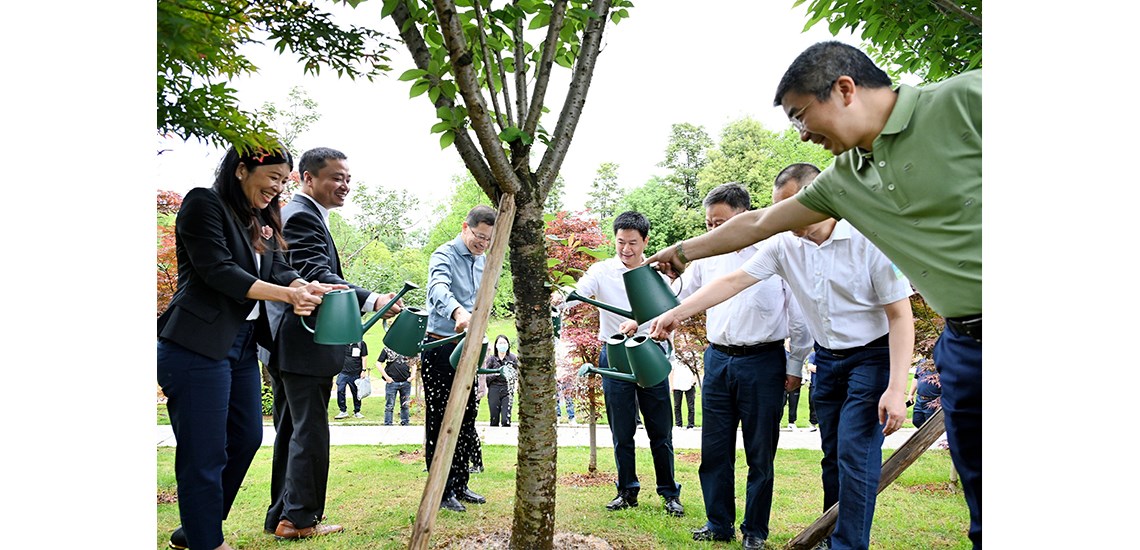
305	298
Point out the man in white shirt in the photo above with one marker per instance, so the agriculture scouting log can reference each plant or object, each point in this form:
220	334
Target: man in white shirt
856	305
604	282
746	373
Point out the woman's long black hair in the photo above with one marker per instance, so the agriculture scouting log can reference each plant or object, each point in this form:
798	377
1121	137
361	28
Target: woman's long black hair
229	189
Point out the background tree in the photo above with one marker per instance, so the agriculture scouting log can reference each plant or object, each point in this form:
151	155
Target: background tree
605	191
933	39
169	203
574	242
466	50
685	155
660	202
752	156
553	203
198	53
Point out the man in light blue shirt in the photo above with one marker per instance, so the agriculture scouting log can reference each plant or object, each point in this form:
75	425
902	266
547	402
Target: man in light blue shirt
454	272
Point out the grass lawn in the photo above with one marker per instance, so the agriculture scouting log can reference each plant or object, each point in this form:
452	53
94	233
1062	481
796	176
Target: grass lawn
374	492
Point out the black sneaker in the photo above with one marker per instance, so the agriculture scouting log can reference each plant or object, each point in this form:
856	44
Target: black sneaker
704	534
623	500
753	543
178	539
673	507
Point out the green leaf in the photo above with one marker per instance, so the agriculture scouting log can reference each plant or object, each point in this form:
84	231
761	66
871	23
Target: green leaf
419	88
433	94
389	7
551	262
440	127
412	74
446	139
539	21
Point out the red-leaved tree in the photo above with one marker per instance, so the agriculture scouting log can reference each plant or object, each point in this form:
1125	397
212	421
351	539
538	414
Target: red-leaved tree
168	204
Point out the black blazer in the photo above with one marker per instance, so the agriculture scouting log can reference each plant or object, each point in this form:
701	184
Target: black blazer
215	271
312	253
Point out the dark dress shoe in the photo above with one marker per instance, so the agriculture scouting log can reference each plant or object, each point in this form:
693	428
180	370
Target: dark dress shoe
753	543
450	503
704	534
178	539
467	495
673	507
622	501
287	531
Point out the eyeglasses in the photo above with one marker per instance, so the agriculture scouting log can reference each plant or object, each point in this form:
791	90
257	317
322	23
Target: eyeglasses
797	119
484	238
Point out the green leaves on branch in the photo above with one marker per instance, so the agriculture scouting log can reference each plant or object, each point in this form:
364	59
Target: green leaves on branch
514	133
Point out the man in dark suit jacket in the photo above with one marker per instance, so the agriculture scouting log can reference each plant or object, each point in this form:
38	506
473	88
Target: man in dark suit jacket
303	370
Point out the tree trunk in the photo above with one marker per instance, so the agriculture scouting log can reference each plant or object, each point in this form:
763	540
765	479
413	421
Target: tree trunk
537	476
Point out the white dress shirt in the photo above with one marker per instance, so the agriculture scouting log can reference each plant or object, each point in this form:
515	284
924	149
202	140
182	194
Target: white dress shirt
604	283
841	284
763	312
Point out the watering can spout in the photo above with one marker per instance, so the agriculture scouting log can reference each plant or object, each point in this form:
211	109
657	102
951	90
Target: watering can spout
588	369
648	295
408	285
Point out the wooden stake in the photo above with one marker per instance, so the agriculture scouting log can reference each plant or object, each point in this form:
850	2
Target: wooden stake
906	455
464	377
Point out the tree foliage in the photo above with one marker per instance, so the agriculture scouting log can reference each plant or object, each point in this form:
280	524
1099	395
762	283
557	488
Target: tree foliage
660	202
169	203
605	192
685	155
933	39
199	43
752	156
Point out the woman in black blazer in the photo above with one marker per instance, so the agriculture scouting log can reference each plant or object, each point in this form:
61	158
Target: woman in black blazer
228	241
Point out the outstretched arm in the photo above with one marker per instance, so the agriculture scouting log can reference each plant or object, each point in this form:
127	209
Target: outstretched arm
708	296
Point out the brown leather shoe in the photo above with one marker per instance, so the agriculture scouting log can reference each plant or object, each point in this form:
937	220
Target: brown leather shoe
287	531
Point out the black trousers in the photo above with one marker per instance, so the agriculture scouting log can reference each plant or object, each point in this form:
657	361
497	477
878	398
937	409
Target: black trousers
438	376
499	401
691	397
300	475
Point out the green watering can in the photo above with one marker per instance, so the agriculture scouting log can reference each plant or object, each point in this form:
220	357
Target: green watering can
338	318
407	333
648	294
648	362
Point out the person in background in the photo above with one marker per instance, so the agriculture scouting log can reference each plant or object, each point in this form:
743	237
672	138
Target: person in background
397	382
499	383
228	242
682	381
354	368
925	392
564	393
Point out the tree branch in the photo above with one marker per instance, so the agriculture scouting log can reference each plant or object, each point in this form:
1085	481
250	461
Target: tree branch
463	144
576	95
504	122
520	68
948	5
549	47
461	64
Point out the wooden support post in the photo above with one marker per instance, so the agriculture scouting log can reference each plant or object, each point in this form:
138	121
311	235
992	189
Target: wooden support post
464	377
902	458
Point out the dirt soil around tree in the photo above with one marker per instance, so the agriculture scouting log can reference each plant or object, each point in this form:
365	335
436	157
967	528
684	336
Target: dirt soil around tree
501	540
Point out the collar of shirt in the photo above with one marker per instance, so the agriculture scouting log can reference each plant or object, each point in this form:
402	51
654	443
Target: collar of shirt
324	211
461	247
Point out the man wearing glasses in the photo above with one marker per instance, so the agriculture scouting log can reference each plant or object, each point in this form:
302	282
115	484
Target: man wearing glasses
908	176
454	272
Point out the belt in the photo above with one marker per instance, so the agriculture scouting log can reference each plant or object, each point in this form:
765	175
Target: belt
969	325
434	336
752	349
880	342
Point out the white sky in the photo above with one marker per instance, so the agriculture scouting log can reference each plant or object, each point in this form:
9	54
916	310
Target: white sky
654	71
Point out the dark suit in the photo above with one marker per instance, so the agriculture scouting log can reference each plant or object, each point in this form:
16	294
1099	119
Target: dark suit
302	372
206	362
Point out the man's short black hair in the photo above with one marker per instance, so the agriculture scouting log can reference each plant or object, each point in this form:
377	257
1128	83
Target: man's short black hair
314	160
632	220
732	194
481	214
818	67
800	172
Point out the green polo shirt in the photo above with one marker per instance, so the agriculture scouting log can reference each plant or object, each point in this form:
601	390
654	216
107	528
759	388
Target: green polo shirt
918	195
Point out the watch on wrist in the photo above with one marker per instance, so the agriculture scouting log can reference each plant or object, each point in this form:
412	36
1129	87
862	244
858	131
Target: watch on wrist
681	252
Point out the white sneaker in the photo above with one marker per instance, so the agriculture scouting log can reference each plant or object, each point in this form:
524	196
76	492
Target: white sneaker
343	414
358	415
791	426
573	421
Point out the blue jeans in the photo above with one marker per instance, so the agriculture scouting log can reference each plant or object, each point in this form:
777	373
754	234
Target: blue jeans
215	412
959	362
569	406
745	391
848	386
390	390
621	413
349	380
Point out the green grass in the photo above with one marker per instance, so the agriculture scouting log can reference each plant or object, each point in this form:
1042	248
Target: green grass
374	492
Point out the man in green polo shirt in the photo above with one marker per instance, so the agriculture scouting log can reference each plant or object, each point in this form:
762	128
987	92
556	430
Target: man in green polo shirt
908	175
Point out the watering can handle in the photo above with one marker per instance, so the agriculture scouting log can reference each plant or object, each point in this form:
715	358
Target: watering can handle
306	325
